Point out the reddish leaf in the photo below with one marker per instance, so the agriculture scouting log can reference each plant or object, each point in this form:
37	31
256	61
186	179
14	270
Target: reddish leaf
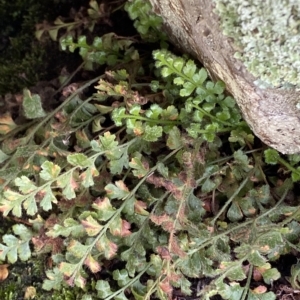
91	226
175	248
164	220
122	186
45	243
125	228
164	253
108	247
166	287
257	275
120	227
70	281
102	204
74	184
261	289
111	250
93	265
175	278
140	208
158	220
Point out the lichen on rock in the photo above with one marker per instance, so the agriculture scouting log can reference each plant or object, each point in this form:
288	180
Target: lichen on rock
267	36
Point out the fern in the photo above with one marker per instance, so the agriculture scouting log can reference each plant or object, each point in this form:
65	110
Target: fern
108	49
146	22
210	110
131	191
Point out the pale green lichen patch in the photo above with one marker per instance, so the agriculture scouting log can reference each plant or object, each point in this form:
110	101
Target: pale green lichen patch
267	34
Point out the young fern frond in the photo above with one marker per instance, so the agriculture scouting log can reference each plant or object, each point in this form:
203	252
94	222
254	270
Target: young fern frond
211	111
108	49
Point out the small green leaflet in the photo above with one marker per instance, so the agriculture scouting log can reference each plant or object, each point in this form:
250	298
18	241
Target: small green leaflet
108	141
152	133
230	292
121	296
107	247
117	191
154	112
32	105
87	176
121	277
79	160
178	63
234	271
104	209
77	249
91	226
70	227
271	275
117	155
12	201
103	289
3	156
67	268
68	184
193	264
54	281
25	185
30	205
16	247
208	186
234	213
189	69
295	276
139	291
271	156
49	170
140	169
116	165
188	89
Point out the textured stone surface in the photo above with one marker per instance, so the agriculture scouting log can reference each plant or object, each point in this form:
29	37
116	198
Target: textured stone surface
267	36
272	113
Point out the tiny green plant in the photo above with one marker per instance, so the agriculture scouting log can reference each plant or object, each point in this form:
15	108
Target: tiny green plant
108	49
146	22
95	14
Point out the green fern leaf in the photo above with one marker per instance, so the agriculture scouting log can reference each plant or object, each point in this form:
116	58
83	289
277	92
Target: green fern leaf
32	105
54	281
70	228
16	247
103	289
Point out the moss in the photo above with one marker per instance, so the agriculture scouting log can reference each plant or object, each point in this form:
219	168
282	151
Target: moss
7	292
23	60
25	274
268	34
